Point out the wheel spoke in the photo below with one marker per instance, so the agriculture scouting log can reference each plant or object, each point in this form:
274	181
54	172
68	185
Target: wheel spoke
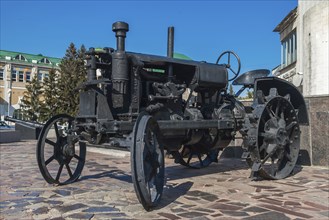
70	125
50	159
229	58
201	162
291	125
273	170
69	170
78	158
277	109
56	130
233	71
183	151
288	156
270	112
189	158
59	172
50	142
269	154
148	171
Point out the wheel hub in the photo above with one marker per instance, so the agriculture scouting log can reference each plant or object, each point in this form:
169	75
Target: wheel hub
281	137
68	150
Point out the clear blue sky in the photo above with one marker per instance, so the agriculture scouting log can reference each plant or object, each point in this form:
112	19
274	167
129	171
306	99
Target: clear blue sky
203	29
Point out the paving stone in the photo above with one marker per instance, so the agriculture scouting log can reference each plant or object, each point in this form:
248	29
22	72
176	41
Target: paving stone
210	198
62	192
204	210
21	205
191	214
169	216
287	211
255	209
41	210
101	209
291	203
110	215
325	213
81	216
318	206
54	202
269	216
238	204
222	206
67	208
232	213
178	210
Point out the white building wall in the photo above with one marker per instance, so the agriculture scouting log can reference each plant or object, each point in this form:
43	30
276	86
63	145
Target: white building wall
312	37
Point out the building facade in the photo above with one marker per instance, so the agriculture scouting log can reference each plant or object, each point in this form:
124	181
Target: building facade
304	62
16	69
304	47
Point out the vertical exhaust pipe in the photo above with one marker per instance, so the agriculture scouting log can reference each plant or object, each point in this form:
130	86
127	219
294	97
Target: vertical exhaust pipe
120	28
170	42
120	69
170	52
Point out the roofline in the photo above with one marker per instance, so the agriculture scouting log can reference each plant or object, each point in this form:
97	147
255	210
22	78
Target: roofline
287	20
30	54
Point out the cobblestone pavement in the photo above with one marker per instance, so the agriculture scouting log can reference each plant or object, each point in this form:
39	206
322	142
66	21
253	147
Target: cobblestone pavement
105	191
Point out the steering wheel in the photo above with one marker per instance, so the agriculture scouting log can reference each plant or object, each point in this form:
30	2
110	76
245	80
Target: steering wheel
228	65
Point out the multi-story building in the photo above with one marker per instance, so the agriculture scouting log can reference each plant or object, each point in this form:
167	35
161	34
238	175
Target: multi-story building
304	47
16	69
304	62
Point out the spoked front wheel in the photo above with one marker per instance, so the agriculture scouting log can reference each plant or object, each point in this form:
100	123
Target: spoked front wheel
192	157
147	161
59	160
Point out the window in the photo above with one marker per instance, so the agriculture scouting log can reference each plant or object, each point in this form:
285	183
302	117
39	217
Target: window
289	49
40	76
14	75
28	76
20	76
45	60
1	74
20	57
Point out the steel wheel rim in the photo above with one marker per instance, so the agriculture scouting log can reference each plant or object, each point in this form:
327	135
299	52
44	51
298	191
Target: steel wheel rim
147	161
278	139
61	158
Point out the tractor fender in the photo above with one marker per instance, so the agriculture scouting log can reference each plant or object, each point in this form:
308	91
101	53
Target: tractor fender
284	88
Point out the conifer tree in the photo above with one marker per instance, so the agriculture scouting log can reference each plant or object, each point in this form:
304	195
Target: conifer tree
50	94
250	95
72	74
31	103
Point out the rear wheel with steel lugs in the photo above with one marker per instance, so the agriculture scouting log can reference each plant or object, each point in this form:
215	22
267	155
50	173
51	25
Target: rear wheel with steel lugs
147	161
60	158
277	140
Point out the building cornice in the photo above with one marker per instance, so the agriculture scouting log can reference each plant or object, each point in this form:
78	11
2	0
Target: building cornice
291	17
